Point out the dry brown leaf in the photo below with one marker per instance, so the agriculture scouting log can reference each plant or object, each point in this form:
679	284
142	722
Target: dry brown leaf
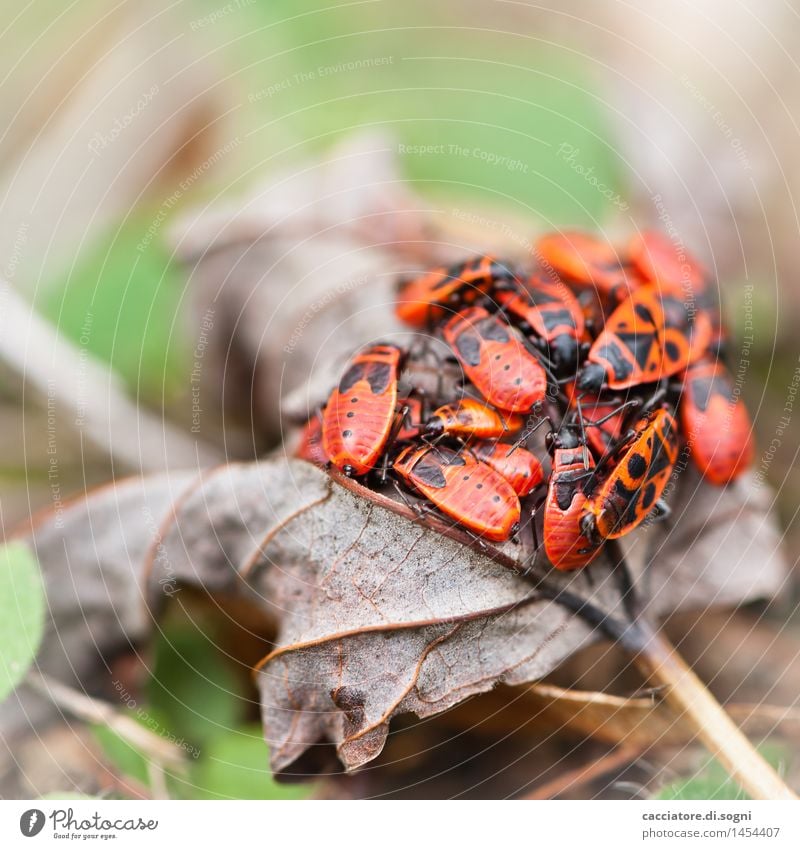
91	554
377	614
302	271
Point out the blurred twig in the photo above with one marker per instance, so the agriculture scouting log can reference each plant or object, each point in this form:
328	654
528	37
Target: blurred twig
690	698
53	369
161	751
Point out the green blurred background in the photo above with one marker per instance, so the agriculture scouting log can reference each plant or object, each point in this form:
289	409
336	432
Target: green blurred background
422	76
272	82
646	105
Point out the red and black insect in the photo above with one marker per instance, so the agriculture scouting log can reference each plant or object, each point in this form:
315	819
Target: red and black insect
412	410
636	481
603	418
684	322
635	322
516	464
551	312
424	298
360	412
585	261
309	446
670	267
463	488
566	543
649	336
469	417
593	314
496	361
715	422
666	264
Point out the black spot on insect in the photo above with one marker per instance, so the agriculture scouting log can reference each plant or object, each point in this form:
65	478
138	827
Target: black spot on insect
518	381
446	456
468	347
623	491
506	367
354	400
639	344
649	496
350	414
496	498
624	505
353	374
660	461
621	367
564	491
428	471
610	265
540	297
379	376
673	352
644	313
479	486
346	434
702	390
499	271
676	316
493	330
557	318
637	465
449	276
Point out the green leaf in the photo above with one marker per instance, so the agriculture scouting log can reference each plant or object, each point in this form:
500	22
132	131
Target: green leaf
713	782
121	303
125	757
65	796
503	116
194	687
235	765
22	605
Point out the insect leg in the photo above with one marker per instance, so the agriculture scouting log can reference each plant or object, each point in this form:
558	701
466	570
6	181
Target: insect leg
661	511
419	509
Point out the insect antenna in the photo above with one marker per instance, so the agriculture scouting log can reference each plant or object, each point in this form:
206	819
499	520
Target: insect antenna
657	396
634	402
527	434
609	454
464	446
584	447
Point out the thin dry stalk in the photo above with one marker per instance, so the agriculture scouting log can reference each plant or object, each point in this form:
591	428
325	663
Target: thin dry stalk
692	701
162	752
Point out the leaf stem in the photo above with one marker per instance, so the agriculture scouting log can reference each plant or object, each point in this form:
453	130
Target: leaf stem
155	747
689	697
683	690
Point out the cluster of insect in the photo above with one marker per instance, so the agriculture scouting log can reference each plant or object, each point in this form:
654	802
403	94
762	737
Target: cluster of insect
614	353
